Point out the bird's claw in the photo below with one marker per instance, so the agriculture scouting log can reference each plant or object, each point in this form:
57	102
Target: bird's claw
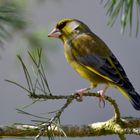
79	94
79	97
101	98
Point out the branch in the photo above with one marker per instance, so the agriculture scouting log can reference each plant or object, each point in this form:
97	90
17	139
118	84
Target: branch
122	137
51	127
116	125
73	96
94	129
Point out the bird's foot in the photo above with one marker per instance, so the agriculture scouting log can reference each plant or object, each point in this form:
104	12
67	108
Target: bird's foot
79	94
101	98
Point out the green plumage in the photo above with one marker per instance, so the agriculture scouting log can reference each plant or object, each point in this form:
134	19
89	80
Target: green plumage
92	59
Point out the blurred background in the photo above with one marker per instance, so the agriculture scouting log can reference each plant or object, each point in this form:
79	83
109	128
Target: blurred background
41	16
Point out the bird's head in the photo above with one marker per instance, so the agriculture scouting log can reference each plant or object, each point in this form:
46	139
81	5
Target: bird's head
67	28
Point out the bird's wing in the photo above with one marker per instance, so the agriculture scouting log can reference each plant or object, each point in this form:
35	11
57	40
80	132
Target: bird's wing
92	53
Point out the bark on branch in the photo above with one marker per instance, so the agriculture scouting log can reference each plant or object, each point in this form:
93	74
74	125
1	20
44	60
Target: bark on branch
116	125
109	127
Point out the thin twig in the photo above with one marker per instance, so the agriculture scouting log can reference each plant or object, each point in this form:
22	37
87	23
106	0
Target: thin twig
52	125
72	96
122	137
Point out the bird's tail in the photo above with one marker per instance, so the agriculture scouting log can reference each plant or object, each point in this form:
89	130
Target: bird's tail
133	97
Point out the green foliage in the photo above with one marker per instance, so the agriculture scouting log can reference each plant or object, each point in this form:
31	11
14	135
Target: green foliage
126	9
35	77
37	84
11	18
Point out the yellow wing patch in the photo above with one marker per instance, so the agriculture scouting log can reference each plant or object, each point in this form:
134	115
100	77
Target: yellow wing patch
124	93
105	77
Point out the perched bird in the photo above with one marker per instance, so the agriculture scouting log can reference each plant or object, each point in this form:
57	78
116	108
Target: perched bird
92	58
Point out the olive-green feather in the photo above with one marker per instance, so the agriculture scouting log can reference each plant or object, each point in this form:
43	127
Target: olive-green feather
92	58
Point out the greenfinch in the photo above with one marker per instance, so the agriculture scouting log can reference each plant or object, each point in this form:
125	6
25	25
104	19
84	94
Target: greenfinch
92	58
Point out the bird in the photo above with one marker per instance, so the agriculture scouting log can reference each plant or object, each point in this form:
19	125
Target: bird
92	59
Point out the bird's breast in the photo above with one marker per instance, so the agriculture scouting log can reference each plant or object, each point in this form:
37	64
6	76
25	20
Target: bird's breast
80	69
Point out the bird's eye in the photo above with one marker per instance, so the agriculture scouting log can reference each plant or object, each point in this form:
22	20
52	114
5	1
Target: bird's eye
62	25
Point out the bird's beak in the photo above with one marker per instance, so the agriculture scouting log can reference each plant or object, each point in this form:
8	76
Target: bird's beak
55	33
